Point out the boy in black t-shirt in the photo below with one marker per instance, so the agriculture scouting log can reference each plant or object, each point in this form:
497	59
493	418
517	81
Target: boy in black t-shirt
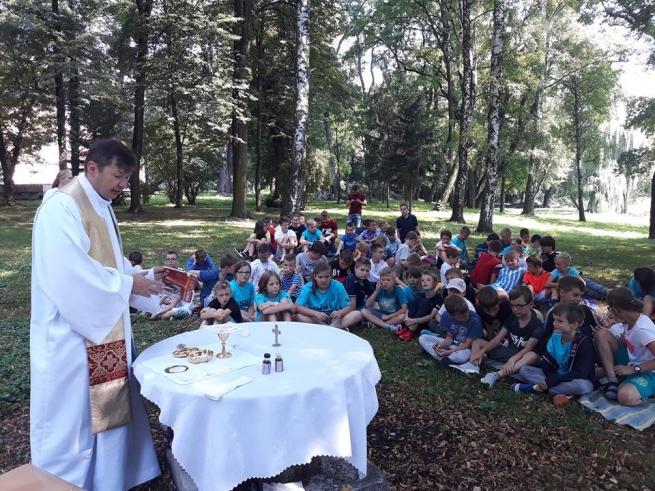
223	308
492	311
343	266
523	329
548	252
422	308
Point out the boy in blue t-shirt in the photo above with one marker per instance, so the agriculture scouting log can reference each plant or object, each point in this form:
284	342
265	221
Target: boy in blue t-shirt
393	243
311	235
348	241
462	327
459	242
568	365
391	300
414	287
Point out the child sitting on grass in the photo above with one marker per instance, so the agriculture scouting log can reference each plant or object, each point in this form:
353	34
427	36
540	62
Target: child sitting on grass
260	235
642	286
223	308
562	268
343	266
487	265
523	328
324	301
292	281
451	261
348	241
535	279
570	290
423	308
311	235
393	243
492	311
262	264
136	260
272	302
391	301
459	243
461	326
548	252
414	284
627	350
358	286
568	365
509	276
243	291
377	263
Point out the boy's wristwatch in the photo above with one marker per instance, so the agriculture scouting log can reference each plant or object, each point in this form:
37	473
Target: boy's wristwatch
637	368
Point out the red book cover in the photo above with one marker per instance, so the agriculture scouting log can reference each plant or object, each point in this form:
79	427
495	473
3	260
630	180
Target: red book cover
179	284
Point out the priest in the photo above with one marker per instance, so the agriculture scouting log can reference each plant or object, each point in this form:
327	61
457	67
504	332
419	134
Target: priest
87	421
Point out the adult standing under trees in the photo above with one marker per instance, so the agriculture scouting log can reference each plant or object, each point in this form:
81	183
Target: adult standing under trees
87	423
406	222
355	202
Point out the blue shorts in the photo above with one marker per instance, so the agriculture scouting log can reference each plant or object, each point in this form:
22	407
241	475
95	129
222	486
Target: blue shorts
378	313
643	382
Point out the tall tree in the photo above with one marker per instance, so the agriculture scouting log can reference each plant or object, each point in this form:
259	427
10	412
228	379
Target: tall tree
485	224
243	12
58	60
465	110
295	197
143	11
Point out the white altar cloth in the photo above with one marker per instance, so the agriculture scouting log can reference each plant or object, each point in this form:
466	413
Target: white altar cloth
319	405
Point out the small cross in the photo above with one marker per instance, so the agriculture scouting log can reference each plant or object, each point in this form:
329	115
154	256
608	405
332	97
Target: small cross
276	331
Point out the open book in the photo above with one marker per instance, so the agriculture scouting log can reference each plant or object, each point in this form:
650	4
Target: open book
179	284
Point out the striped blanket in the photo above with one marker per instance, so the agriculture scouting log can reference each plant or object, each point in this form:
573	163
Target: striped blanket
639	417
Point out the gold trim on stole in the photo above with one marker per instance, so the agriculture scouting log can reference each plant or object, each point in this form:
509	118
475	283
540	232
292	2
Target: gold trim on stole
109	391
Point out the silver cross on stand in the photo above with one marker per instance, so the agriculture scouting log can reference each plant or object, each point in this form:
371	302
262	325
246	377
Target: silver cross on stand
276	331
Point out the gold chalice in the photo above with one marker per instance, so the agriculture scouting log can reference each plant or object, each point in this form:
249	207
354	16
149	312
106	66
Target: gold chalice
222	335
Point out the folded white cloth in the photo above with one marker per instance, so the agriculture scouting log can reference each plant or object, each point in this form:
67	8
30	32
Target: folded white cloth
216	393
287	486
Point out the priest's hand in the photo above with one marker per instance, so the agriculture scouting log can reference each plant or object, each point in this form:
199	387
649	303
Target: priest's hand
144	286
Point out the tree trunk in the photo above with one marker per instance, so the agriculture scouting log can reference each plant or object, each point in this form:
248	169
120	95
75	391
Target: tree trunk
578	145
651	228
60	93
502	194
144	9
485	224
8	162
296	188
334	162
74	133
259	41
179	155
243	11
548	194
465	114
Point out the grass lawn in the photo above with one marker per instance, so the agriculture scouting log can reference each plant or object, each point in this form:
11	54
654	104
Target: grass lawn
434	429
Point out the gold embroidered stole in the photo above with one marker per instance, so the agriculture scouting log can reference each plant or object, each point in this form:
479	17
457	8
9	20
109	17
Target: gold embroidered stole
109	392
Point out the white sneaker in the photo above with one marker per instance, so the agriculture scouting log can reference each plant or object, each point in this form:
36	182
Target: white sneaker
393	327
467	367
490	379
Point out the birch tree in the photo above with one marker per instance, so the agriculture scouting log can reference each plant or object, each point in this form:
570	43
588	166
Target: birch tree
295	191
485	224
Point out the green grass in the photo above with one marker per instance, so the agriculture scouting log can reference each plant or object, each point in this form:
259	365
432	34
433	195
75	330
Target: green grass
587	450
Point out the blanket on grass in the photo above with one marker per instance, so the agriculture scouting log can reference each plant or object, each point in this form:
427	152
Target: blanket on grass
639	417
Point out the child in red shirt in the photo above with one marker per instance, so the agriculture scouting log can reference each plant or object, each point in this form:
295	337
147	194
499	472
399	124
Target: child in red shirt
486	265
535	279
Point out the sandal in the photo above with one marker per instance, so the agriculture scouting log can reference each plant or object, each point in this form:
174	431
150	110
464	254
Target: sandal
611	391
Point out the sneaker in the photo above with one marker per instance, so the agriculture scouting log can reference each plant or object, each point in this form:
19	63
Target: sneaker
525	388
402	331
490	379
407	335
393	327
239	252
370	325
562	400
466	367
